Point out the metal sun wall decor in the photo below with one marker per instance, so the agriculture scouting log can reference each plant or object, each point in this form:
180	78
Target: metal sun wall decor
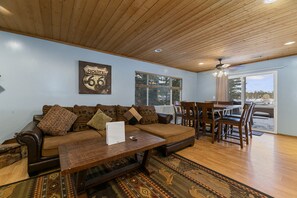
94	78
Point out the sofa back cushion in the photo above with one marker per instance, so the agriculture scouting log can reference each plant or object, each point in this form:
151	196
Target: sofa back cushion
148	113
121	110
109	110
85	114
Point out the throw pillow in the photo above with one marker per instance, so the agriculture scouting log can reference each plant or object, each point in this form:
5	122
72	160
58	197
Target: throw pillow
99	120
149	115
133	116
57	121
109	110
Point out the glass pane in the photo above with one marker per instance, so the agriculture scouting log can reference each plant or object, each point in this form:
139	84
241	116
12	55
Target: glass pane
259	89
140	96
176	82
175	96
140	79
159	96
158	80
235	90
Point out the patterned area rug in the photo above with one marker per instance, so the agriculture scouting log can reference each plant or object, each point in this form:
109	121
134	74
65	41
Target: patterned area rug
173	176
52	185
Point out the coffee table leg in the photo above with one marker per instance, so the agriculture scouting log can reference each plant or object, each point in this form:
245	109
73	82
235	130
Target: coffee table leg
145	162
79	181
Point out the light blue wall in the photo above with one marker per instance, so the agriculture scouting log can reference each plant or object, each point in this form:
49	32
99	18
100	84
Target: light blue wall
206	86
43	72
286	86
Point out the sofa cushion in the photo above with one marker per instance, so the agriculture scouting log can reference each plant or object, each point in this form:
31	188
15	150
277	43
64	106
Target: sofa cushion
109	110
148	113
128	128
121	110
133	116
46	108
57	121
170	132
99	120
51	143
85	114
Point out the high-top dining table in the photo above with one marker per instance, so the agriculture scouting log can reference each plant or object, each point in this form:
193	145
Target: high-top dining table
226	108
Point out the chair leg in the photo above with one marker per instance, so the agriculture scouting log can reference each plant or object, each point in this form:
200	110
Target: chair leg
175	119
246	134
212	132
226	130
219	132
196	130
204	128
240	136
251	131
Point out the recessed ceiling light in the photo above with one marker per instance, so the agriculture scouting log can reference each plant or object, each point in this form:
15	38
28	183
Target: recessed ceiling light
269	1
201	63
4	11
289	43
158	50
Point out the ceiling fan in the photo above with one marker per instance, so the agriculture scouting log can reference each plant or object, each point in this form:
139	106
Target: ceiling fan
221	65
220	69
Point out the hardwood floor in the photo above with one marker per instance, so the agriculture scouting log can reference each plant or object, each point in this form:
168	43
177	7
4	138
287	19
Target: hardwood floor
13	173
267	164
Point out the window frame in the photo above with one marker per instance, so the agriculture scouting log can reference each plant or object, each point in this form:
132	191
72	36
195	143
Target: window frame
147	86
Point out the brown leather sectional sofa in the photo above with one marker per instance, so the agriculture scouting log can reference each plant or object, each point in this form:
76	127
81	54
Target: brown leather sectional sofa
43	149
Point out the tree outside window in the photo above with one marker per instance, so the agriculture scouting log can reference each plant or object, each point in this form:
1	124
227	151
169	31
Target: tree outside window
153	89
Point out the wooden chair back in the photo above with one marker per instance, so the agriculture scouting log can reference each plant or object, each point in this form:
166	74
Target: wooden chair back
205	112
177	109
177	112
245	114
251	111
189	114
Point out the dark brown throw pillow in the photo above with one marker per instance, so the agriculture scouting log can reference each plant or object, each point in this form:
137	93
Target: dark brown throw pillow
57	121
133	116
121	110
149	115
85	114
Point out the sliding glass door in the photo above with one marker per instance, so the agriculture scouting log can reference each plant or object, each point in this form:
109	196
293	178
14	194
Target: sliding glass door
260	89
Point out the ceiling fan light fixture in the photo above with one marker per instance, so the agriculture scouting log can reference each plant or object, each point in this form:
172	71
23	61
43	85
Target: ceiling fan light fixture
220	69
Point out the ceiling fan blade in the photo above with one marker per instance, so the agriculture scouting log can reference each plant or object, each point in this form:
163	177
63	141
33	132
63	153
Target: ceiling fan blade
225	65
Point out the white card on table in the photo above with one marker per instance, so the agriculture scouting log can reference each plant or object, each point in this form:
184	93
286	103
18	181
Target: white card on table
115	132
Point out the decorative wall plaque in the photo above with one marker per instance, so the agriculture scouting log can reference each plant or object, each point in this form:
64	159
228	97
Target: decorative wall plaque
94	78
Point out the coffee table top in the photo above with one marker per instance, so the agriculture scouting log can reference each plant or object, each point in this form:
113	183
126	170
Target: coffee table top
82	155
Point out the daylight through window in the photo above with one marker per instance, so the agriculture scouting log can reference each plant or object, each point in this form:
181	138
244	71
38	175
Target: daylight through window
153	89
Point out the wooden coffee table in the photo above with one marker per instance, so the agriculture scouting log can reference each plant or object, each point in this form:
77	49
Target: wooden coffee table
76	158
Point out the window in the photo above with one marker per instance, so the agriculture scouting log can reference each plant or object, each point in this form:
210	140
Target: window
153	89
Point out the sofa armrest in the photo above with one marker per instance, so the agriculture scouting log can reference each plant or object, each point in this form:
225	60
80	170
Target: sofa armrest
164	118
32	137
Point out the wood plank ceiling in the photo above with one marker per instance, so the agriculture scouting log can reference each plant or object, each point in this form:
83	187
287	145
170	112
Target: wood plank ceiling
189	32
